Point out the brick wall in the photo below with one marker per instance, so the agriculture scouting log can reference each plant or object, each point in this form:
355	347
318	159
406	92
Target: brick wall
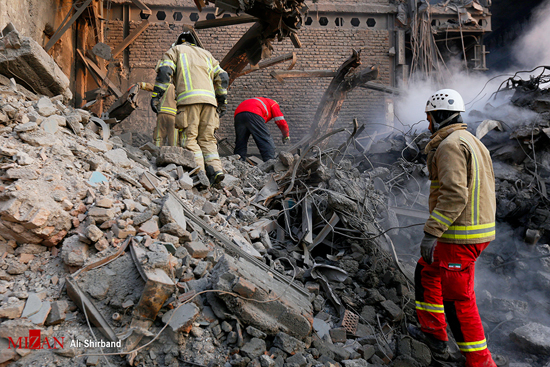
299	98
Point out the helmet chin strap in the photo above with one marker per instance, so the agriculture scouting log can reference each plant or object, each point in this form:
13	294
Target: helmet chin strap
438	125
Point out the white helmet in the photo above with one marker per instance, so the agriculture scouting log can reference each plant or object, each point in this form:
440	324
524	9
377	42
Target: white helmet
445	100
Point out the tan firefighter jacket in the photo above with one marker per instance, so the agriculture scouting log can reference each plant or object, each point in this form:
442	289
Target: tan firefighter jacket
167	103
462	194
196	75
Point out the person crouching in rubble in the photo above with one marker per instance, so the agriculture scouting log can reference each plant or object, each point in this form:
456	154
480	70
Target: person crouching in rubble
201	95
461	225
251	117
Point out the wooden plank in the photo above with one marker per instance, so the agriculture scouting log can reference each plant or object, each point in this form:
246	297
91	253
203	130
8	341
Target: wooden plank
130	38
280	75
380	88
223	22
95	69
295	40
200	4
63	28
270	62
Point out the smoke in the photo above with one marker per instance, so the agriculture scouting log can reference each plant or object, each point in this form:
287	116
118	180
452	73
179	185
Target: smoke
533	47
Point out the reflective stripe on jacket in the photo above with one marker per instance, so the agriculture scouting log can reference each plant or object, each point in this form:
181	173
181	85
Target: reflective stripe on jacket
462	193
267	108
167	103
196	74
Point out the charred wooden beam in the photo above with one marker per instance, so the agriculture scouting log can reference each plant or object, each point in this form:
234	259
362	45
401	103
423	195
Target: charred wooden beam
130	38
347	77
236	59
380	88
96	70
270	62
295	40
280	75
223	22
65	25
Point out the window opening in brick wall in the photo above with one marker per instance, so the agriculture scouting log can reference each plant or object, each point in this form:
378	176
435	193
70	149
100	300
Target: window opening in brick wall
436	23
309	20
194	17
355	22
210	16
323	21
482	22
371	22
178	16
339	21
161	15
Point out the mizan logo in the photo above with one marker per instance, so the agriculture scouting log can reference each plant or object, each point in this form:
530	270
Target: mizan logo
33	341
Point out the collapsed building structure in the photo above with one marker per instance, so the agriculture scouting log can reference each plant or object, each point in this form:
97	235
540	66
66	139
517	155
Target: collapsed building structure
303	260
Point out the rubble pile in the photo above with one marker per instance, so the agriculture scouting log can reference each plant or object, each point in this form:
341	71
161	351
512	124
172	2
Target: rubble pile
124	239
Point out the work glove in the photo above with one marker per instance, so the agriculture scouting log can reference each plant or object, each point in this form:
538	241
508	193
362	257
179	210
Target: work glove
155	98
427	247
286	139
222	104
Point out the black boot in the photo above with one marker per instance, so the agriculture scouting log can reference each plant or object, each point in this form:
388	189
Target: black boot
437	346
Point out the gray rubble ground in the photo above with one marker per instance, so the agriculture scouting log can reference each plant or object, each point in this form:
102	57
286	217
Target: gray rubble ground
69	199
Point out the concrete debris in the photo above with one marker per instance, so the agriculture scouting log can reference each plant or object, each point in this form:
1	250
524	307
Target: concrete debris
283	249
31	66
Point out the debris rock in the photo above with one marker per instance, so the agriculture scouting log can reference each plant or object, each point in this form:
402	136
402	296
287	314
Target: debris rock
181	318
254	348
74	252
533	338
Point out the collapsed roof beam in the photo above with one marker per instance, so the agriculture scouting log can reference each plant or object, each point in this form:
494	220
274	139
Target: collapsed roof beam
223	22
65	25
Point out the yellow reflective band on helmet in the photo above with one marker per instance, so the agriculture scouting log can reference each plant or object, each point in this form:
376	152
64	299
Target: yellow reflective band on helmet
470	232
430	307
169	63
440	218
472	346
154	94
435	185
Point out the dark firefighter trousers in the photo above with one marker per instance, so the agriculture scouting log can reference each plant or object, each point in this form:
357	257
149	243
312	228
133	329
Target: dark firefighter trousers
247	123
446	288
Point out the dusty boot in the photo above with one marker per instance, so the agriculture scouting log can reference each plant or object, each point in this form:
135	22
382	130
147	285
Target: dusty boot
214	176
438	347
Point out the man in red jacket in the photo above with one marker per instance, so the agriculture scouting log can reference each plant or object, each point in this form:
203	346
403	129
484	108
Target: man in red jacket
251	117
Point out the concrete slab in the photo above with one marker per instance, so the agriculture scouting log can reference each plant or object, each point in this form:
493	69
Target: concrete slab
33	68
291	313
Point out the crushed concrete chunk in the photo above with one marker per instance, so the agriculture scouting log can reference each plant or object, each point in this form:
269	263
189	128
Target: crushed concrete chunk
532	338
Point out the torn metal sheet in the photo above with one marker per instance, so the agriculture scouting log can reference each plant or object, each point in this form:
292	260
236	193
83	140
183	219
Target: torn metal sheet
325	231
487	126
124	106
307	222
105	131
270	189
318	273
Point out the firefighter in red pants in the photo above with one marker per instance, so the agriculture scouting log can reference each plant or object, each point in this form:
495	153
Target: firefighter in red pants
461	225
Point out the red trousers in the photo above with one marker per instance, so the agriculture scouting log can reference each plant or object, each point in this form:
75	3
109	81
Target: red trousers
446	288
